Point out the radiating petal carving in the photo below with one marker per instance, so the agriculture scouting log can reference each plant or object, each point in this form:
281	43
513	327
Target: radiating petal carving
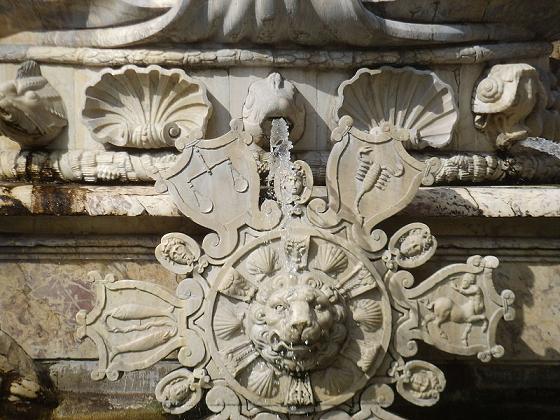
263	261
228	324
406	98
134	106
263	381
331	260
368	314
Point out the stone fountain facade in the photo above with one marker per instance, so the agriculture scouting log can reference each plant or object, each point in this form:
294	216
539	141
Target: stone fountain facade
228	210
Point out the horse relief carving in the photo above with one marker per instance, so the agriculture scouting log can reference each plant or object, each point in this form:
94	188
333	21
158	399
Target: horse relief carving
446	309
295	305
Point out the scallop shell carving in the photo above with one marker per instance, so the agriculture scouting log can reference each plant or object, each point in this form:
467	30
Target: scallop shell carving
263	381
331	259
263	261
403	97
132	106
227	324
336	379
368	314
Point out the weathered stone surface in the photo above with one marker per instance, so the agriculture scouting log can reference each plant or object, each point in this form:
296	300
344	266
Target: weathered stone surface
40	298
358	23
488	201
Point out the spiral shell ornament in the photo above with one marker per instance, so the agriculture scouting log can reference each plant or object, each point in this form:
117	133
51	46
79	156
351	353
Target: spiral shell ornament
490	89
406	98
134	106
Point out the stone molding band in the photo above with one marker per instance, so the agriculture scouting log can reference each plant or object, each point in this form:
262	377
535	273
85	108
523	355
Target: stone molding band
98	166
219	58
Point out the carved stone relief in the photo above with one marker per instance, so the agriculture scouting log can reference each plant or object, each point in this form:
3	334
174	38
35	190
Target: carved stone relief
516	101
31	110
391	97
271	98
296	305
134	106
363	23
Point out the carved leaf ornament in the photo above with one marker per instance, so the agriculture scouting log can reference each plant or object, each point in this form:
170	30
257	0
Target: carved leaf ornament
285	312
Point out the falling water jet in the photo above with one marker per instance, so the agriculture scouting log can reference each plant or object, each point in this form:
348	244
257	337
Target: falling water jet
281	166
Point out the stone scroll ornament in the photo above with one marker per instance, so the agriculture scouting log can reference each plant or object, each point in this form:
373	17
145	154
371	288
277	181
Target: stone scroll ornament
295	305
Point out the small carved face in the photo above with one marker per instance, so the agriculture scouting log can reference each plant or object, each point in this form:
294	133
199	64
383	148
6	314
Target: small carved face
421	381
178	251
177	391
296	250
292	186
468	280
297	328
13	106
414	244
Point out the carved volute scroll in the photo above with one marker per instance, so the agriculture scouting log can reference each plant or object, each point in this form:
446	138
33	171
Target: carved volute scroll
296	306
134	106
31	110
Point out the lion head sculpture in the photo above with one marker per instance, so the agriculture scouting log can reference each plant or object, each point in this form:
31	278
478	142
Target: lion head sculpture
297	322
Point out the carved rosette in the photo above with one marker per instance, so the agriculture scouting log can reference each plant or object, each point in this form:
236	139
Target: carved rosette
304	324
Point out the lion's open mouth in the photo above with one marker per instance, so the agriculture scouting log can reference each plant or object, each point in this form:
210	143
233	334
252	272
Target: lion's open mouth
297	350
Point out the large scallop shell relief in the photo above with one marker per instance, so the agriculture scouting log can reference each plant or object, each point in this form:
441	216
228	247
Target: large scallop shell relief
416	100
131	106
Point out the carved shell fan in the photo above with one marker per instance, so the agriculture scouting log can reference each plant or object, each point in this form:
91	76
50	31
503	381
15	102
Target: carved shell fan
405	97
131	107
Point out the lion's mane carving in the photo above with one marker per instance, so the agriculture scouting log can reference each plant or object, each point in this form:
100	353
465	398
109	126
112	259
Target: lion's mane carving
297	322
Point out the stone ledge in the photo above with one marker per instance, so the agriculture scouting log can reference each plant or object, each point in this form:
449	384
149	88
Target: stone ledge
82	200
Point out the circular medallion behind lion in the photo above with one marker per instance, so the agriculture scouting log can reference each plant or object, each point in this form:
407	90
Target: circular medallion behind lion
299	322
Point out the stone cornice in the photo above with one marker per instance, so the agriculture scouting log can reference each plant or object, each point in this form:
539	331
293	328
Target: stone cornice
219	57
81	200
